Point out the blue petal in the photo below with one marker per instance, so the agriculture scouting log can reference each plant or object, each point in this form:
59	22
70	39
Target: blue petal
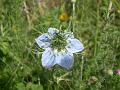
65	60
48	58
43	41
74	45
68	35
53	31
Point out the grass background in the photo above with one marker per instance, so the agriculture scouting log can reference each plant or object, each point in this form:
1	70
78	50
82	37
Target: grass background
97	25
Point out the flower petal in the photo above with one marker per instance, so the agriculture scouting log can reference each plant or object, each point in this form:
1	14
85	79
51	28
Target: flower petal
48	58
43	41
65	60
53	31
74	45
68	35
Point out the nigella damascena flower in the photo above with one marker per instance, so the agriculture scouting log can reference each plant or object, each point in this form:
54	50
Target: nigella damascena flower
59	48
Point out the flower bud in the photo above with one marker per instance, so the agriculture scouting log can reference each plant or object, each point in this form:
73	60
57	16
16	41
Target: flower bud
73	1
110	72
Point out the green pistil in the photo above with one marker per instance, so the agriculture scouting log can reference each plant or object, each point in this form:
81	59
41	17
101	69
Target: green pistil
58	42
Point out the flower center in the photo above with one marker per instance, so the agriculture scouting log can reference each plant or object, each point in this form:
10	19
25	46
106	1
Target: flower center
58	42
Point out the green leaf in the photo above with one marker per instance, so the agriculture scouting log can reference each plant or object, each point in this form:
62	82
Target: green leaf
20	86
31	86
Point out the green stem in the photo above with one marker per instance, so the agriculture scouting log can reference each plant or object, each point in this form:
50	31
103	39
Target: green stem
96	34
73	17
82	69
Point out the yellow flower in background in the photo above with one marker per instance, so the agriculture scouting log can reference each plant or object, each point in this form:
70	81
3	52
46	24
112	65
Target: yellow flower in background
64	17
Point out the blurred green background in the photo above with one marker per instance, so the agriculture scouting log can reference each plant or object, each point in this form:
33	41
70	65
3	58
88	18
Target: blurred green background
97	26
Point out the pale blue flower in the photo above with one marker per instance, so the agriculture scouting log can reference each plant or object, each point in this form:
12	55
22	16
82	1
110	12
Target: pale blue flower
59	48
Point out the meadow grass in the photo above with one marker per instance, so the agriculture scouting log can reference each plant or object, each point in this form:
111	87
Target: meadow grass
96	23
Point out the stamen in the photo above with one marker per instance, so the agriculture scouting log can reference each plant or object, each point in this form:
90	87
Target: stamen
58	42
